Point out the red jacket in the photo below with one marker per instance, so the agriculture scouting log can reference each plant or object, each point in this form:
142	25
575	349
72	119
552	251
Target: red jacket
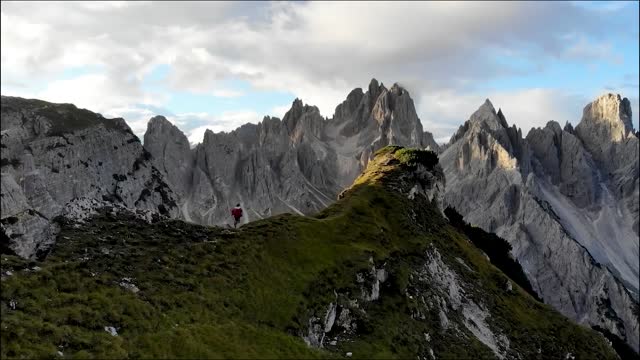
236	212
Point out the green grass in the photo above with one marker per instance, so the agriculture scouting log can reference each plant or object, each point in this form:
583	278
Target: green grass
208	292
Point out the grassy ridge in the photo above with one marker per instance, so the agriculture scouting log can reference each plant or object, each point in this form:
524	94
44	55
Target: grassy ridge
214	293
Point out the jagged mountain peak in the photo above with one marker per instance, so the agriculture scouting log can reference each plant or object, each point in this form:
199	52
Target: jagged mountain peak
159	123
503	120
159	118
298	107
208	133
562	180
374	90
271	169
382	256
161	132
608	117
568	128
486	114
486	118
374	85
486	142
606	130
554	126
398	90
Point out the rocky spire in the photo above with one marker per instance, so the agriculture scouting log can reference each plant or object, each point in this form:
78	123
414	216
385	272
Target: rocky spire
607	117
502	119
171	152
374	91
568	128
373	86
429	143
606	130
486	114
546	210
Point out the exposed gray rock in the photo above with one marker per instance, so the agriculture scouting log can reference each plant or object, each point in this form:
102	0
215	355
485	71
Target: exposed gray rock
429	143
566	199
172	153
330	318
58	153
565	162
444	282
315	333
298	164
128	285
606	130
548	195
111	330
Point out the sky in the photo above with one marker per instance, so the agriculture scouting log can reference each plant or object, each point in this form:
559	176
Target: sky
218	65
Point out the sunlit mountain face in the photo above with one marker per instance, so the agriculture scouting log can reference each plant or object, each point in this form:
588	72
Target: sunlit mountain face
463	189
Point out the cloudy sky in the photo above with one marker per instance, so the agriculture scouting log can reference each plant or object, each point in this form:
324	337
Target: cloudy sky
218	65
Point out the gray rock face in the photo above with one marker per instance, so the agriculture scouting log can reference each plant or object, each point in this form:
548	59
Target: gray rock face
429	143
550	194
567	164
55	153
566	199
298	164
172	147
606	130
553	200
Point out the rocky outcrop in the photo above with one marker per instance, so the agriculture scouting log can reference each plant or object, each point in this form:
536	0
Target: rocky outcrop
563	159
298	164
173	152
566	199
552	200
606	130
377	274
55	153
446	292
429	143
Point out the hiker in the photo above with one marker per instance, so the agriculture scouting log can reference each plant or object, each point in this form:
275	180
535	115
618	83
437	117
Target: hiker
236	212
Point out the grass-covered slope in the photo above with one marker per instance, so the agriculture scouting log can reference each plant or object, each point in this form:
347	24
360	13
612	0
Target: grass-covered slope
497	249
377	275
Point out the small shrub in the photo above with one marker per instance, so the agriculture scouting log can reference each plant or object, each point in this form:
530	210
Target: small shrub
413	157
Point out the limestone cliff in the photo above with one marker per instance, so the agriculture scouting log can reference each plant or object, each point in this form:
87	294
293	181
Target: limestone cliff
298	164
552	200
379	273
55	153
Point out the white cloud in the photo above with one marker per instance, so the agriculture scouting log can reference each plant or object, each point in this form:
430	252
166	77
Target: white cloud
107	5
279	111
317	50
225	122
192	124
526	109
227	93
97	92
136	117
584	49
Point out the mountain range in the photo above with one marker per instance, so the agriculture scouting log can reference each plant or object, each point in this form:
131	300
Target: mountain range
564	198
380	273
